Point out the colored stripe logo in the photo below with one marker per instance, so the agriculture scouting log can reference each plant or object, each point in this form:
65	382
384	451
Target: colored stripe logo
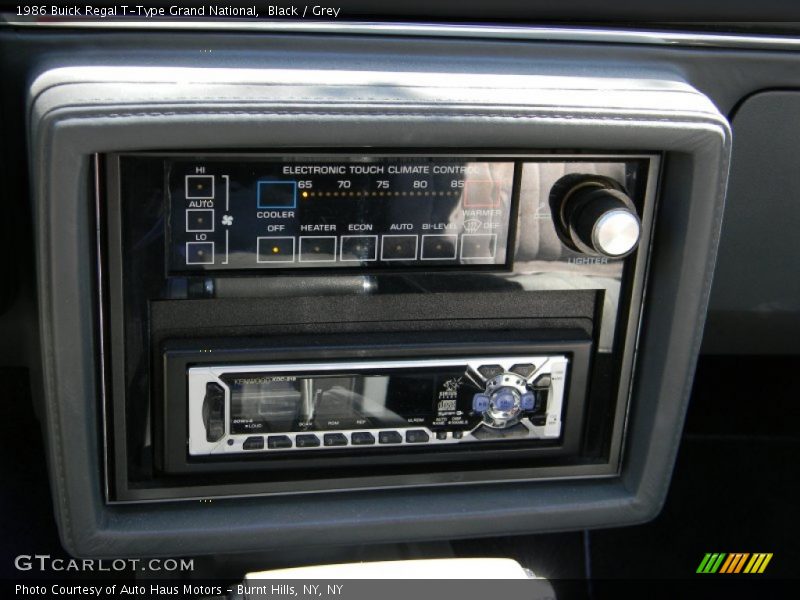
736	562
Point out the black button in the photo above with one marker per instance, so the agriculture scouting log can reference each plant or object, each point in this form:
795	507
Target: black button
539	421
318	248
542	382
275	249
335	439
439	247
389	437
417	436
254	443
524	370
199	220
214	412
399	247
362	438
457	435
306	441
478	245
199	187
279	441
441	435
490	371
200	253
359	248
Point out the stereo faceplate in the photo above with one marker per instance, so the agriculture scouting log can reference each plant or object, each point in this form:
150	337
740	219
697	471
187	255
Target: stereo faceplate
396	400
303	407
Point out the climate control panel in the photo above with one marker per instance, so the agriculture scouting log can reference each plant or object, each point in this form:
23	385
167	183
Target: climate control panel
323	212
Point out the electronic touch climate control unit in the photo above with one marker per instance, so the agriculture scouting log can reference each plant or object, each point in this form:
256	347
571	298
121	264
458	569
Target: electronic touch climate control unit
371	212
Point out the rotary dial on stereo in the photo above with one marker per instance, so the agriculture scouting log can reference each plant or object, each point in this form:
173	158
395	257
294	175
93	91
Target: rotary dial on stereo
504	401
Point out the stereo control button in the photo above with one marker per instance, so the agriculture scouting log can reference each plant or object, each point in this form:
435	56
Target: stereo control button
214	412
490	371
524	370
335	439
362	438
277	442
255	442
389	437
307	440
505	393
505	400
457	435
542	382
417	436
527	401
480	402
441	435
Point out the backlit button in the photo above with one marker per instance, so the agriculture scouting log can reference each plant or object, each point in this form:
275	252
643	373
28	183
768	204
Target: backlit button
254	443
439	247
480	402
278	442
362	438
275	249
524	370
480	246
199	220
389	437
199	253
504	401
527	401
335	439
417	436
318	248
399	247
306	441
359	248
199	187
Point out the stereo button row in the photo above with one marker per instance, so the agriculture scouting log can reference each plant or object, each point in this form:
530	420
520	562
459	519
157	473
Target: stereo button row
357	438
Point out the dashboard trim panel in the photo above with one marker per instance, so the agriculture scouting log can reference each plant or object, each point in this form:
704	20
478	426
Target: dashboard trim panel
76	113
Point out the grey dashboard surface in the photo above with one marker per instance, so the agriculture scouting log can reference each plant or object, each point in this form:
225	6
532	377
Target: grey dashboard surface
755	304
395	99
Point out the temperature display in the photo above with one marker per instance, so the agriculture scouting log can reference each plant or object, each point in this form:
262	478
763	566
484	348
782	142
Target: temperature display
323	212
